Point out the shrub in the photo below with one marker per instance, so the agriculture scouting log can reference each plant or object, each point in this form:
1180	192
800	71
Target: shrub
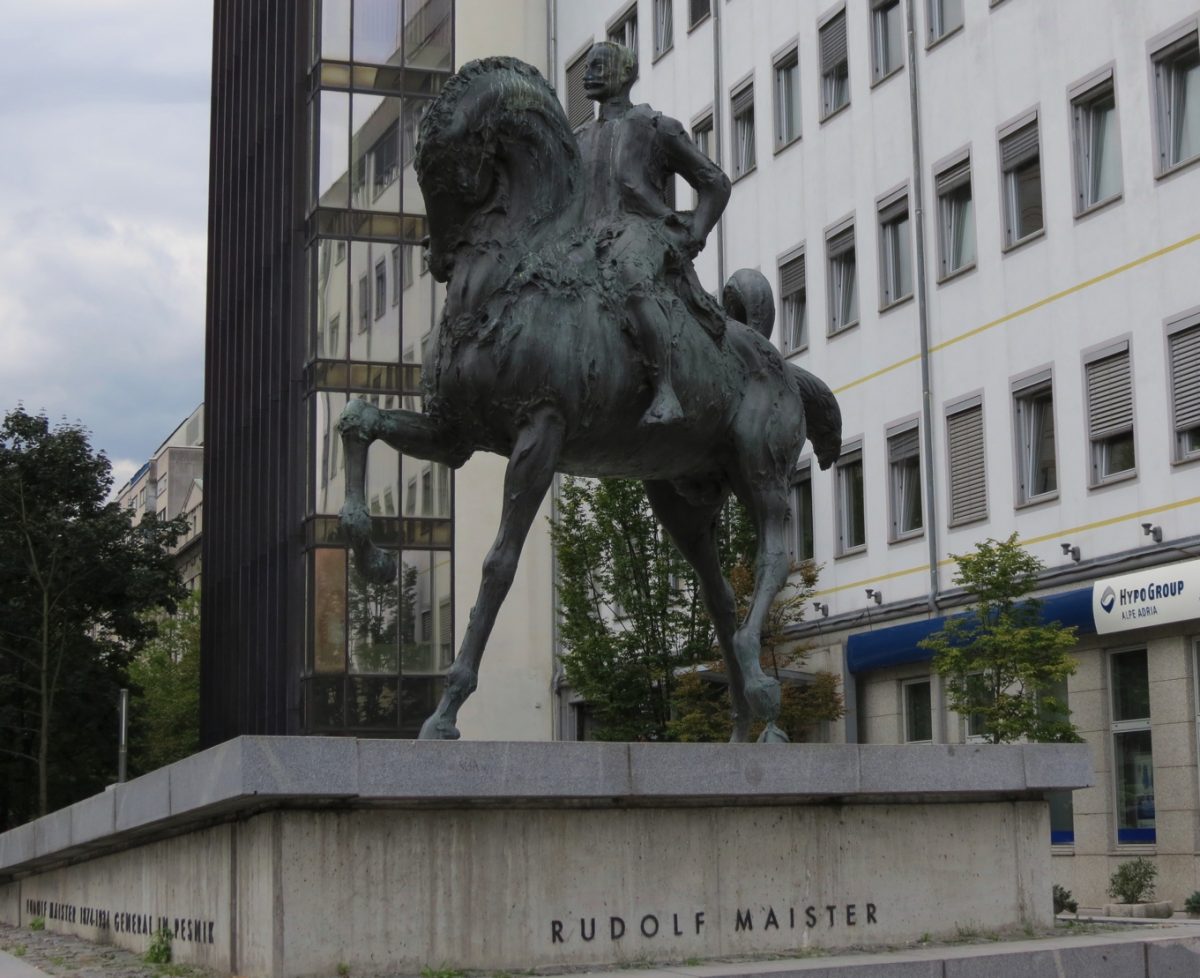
37	923
1133	881
159	951
1192	903
1063	900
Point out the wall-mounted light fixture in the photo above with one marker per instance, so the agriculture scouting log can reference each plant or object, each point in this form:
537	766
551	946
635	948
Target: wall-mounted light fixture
1150	530
874	594
1069	551
821	609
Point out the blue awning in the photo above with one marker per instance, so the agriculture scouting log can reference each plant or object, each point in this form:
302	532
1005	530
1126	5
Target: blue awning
897	645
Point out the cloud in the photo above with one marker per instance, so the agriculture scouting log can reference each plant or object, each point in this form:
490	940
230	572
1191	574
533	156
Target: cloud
103	212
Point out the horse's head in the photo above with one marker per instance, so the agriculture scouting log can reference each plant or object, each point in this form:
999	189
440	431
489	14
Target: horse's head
496	154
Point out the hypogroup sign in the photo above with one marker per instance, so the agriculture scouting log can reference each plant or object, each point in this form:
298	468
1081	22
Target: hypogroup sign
1157	596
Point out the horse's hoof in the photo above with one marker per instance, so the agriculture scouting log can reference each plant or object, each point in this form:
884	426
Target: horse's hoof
358	418
741	732
763	696
438	728
773	735
379	567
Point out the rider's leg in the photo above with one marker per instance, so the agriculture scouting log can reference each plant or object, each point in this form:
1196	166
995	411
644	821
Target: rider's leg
654	338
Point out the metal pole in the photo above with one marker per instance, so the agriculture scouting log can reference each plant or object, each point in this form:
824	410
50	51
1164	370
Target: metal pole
718	74
123	742
918	212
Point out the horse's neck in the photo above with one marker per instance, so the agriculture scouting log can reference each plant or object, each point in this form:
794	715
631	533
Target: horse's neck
528	209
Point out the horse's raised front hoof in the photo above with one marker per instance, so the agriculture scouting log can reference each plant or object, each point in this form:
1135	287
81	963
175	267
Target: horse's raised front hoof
359	419
438	728
763	696
772	734
377	566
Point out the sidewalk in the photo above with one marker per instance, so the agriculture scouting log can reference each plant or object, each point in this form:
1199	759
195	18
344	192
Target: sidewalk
11	967
1163	949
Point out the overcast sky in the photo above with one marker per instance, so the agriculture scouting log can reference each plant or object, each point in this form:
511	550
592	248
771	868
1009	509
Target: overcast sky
103	209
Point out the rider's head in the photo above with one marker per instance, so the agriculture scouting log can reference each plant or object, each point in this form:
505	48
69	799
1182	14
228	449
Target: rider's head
610	71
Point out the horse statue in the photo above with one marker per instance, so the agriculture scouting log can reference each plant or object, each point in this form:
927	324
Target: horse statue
532	359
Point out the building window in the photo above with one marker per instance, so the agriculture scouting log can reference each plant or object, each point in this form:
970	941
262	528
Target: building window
851	510
1184	347
364	304
968	471
1110	416
742	113
787	99
1177	101
664	27
697	11
1021	184
956	219
800	516
1033	419
1097	144
702	135
1133	757
339	252
917	696
410	500
887	38
580	109
904	483
835	66
793	302
380	287
945	16
625	30
895	251
427	492
843	280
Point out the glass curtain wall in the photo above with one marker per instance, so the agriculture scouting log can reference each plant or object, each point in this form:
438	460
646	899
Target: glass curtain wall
376	654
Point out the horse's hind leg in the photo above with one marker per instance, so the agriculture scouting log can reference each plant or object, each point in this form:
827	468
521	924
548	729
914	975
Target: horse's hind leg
530	471
694	530
768	506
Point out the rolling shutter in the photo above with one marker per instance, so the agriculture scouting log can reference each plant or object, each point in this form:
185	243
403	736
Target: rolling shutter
1019	147
904	445
1110	396
791	277
953	177
1185	378
968	483
742	101
579	106
833	43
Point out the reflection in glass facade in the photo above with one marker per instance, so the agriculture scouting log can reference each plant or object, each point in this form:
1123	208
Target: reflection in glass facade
376	654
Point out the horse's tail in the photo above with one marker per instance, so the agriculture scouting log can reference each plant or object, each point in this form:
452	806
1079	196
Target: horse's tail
748	299
821	414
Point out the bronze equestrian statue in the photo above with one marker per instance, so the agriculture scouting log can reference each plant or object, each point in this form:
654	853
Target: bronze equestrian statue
575	338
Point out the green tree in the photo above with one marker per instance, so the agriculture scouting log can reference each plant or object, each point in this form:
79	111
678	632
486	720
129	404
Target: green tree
165	674
635	631
1001	664
75	580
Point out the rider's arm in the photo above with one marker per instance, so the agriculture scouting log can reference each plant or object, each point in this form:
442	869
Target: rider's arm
711	185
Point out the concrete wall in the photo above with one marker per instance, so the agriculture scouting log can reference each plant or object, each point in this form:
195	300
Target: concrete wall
287	856
513	701
296	893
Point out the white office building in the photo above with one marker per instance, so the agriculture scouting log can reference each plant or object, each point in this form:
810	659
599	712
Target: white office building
984	235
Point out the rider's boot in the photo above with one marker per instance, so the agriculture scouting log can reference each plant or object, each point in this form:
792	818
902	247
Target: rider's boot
655	331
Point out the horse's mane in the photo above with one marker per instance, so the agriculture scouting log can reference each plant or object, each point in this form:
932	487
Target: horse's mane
524	106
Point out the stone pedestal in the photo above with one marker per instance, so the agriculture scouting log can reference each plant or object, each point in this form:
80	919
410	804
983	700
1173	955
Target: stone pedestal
289	856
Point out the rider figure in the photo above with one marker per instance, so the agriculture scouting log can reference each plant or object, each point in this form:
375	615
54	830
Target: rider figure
629	154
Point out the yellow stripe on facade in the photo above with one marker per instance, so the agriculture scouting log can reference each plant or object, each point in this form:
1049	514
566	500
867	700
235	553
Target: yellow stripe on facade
1025	310
1065	531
